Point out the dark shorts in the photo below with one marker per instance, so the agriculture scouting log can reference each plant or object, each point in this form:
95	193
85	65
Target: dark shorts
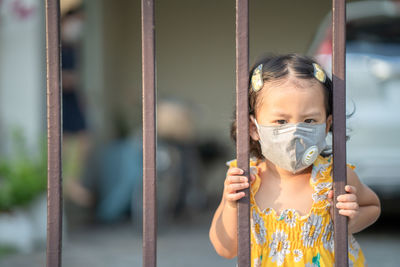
73	119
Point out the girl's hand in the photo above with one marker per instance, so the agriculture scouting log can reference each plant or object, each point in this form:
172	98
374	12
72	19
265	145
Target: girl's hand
347	203
234	182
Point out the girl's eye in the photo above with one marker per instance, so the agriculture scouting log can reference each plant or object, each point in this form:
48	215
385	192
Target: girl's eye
309	120
281	121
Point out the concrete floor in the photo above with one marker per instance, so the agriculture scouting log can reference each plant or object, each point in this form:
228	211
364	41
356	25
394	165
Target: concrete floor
179	245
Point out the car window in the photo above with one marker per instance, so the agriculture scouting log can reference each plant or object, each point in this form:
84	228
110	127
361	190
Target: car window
374	36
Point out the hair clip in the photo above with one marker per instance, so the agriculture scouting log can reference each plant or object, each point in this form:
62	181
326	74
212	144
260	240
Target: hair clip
319	73
257	81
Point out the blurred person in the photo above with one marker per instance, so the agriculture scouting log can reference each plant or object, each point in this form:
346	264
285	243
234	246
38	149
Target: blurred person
178	160
76	140
290	107
119	172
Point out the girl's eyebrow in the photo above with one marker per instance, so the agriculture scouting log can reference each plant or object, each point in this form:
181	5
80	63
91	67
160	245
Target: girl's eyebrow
279	113
312	114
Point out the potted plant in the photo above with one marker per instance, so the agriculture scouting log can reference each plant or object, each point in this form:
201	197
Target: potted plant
23	205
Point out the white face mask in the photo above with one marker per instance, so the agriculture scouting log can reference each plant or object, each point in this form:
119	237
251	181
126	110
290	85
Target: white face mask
292	147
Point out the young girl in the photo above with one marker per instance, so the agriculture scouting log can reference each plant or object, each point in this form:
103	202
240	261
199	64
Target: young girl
290	106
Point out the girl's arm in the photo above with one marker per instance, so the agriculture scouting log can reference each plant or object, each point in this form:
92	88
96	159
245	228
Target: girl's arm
223	230
360	204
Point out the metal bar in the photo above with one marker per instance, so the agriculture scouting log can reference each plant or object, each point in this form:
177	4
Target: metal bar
54	135
242	118
149	136
339	126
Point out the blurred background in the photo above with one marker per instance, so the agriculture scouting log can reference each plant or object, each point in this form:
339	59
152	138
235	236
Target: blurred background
195	43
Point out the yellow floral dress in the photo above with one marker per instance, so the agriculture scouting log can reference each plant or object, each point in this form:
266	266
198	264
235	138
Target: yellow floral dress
292	240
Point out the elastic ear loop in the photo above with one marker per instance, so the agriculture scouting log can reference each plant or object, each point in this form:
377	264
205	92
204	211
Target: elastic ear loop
259	134
258	130
258	127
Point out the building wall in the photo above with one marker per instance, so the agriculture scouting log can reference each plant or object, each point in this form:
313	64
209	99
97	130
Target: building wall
195	43
22	72
195	59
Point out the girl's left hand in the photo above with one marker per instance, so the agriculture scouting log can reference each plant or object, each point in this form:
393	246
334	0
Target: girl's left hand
347	203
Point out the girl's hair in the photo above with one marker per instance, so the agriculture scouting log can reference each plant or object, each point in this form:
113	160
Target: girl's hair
276	67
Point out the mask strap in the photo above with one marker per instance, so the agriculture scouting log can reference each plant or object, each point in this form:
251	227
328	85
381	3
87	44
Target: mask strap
255	122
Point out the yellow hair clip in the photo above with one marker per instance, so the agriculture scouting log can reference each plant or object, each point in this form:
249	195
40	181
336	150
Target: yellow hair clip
319	73
257	81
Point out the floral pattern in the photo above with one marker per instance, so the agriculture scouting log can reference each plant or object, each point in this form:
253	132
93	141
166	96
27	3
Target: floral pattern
298	255
315	261
257	262
293	240
322	186
290	216
319	197
354	247
311	230
327	237
317	169
266	211
258	228
280	246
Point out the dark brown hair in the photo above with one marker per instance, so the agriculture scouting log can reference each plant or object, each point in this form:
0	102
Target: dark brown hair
276	67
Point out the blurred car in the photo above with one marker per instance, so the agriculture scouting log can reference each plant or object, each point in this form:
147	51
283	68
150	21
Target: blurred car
373	91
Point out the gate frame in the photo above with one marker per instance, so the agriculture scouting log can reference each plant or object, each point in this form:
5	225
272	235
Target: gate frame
54	131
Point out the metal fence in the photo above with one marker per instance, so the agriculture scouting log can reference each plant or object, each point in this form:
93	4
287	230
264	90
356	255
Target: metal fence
54	134
54	210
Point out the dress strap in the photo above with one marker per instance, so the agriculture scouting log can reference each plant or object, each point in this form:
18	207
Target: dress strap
322	180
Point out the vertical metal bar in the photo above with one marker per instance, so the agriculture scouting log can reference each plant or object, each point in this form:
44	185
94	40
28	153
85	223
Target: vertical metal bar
54	135
339	126
149	136
242	118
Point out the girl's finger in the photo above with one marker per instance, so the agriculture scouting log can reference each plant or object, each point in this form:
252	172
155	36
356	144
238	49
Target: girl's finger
235	196
252	178
234	171
236	179
347	205
236	187
330	195
348	213
350	189
347	198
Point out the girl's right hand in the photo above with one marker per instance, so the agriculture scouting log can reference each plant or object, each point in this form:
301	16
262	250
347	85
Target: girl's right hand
234	182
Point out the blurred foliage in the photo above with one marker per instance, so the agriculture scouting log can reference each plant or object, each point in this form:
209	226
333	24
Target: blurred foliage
6	250
22	174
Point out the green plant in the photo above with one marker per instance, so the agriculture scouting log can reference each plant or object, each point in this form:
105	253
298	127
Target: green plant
7	250
22	175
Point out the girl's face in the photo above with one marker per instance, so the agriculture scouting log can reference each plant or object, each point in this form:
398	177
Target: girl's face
291	100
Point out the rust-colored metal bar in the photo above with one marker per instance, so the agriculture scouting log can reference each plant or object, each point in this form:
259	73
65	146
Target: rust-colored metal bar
54	135
242	118
149	136
339	126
